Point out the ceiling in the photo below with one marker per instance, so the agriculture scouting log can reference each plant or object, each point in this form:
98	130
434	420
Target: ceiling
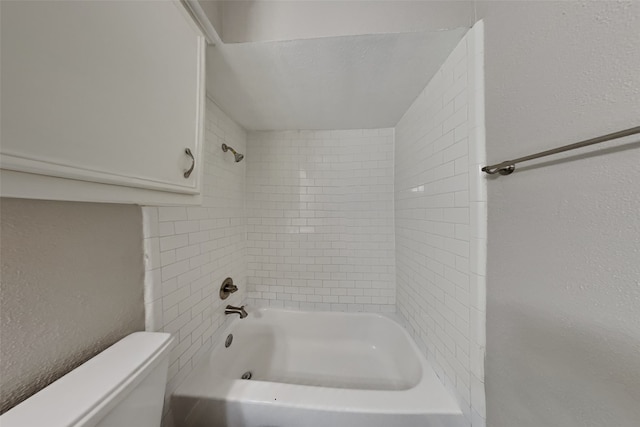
346	82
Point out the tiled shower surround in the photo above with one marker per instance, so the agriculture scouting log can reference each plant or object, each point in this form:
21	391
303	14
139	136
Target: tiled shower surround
380	220
189	251
440	223
320	220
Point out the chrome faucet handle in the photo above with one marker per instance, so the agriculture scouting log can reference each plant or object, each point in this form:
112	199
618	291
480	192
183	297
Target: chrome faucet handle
227	288
230	288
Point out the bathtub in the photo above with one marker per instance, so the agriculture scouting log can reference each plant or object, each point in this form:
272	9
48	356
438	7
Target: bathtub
310	369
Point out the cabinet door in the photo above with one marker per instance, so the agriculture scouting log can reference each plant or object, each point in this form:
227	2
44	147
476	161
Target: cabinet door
102	91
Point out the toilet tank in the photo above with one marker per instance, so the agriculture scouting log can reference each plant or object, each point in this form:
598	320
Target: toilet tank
122	386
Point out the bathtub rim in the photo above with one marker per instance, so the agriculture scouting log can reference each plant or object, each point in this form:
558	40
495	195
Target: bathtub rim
429	396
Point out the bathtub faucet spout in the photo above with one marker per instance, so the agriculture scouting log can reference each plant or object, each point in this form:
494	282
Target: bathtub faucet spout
236	310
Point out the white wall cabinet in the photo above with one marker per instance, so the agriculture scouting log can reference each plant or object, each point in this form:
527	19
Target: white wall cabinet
108	93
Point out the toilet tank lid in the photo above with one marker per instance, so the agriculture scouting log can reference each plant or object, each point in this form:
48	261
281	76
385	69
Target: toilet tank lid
86	394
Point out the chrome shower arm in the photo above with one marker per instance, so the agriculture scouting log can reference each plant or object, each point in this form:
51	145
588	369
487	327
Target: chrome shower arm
237	155
226	148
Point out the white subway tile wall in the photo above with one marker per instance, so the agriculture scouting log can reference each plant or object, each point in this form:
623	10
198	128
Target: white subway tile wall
440	217
320	230
189	251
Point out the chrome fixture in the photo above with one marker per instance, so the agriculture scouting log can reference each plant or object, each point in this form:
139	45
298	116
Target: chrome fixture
227	288
507	167
236	310
237	155
247	375
228	341
187	173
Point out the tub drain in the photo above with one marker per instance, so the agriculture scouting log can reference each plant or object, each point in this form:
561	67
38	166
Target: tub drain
247	375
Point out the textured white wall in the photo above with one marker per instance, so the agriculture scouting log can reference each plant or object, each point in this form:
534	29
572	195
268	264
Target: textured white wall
71	287
253	21
320	220
189	251
440	217
563	308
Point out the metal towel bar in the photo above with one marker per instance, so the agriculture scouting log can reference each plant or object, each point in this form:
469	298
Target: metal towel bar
507	167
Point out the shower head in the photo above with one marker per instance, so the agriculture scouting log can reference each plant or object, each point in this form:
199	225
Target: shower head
237	155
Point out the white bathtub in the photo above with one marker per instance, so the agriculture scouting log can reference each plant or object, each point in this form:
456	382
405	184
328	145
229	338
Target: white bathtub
315	370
